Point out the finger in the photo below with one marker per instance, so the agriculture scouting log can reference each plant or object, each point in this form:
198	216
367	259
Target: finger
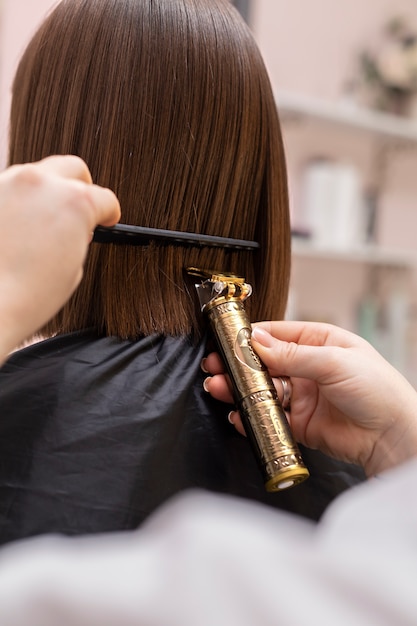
213	364
107	206
67	166
320	363
218	387
310	333
235	420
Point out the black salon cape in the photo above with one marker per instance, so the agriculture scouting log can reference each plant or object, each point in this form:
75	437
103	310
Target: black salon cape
95	433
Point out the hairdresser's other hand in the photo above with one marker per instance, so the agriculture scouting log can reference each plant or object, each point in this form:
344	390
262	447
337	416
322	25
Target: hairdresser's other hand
48	211
347	400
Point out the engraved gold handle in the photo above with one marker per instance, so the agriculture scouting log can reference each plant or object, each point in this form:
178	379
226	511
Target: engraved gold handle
263	417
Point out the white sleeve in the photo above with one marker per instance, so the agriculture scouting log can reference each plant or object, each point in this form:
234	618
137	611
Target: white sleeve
206	560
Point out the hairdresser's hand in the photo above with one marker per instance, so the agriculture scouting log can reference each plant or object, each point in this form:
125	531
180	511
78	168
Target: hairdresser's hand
347	401
48	211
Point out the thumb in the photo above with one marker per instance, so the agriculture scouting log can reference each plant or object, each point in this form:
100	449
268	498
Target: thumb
292	359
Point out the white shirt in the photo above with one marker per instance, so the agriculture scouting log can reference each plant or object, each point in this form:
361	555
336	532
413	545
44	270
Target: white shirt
206	560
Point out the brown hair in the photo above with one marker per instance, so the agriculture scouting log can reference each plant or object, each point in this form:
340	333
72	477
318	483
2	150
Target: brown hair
170	105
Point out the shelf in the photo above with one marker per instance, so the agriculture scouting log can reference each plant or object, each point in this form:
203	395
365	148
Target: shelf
368	254
348	115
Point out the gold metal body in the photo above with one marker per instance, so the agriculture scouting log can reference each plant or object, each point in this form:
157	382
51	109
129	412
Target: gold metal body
264	419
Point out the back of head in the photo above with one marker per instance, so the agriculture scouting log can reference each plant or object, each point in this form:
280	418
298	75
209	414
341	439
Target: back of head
170	105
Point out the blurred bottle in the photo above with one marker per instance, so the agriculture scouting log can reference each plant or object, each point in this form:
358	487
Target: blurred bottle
333	209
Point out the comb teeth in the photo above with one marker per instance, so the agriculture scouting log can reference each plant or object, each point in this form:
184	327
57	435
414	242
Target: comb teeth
127	234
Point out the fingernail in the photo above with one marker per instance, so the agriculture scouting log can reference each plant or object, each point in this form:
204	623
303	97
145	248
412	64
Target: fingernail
205	381
203	365
231	417
261	336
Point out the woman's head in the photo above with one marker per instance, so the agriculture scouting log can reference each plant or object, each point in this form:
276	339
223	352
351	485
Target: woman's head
169	103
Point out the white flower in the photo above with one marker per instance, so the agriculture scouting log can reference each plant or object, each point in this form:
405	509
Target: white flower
397	66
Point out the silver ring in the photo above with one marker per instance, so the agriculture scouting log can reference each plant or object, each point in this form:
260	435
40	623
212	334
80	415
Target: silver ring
286	392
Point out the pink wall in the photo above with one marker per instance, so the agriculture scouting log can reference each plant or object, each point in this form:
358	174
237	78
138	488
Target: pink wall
311	47
308	45
19	19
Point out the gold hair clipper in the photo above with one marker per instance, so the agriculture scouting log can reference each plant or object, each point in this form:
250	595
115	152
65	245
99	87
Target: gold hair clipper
221	298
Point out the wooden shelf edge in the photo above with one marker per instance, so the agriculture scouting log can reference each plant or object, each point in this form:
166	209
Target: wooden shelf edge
347	115
367	254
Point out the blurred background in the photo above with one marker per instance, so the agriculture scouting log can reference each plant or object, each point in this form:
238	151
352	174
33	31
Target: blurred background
345	78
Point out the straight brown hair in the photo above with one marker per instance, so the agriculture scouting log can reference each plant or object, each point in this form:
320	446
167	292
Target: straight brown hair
170	105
